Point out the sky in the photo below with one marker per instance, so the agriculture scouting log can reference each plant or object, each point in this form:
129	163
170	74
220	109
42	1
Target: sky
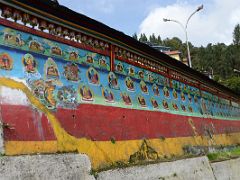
214	24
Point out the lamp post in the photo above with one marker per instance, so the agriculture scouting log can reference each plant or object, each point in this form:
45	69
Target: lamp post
185	31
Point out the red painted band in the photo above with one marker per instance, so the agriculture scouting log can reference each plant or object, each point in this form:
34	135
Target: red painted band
101	123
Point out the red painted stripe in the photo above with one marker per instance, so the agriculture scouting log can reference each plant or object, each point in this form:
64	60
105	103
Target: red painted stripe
26	124
102	123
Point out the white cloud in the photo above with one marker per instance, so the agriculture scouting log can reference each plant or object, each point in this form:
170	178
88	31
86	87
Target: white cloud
215	23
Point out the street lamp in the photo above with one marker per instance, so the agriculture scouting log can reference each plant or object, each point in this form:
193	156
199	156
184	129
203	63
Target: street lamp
185	31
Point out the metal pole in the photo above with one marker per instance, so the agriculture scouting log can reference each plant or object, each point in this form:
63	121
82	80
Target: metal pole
188	50
185	31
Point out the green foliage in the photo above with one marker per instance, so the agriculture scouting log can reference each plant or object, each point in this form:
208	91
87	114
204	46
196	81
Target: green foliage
143	38
236	35
219	59
233	83
135	36
223	155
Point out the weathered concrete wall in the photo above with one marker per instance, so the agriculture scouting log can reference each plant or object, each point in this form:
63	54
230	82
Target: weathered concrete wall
78	166
226	170
67	166
195	168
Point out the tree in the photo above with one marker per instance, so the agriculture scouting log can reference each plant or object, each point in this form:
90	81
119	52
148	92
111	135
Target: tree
233	83
135	36
143	38
236	35
153	39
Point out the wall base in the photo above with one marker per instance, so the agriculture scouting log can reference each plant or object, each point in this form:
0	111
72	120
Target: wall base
78	166
61	166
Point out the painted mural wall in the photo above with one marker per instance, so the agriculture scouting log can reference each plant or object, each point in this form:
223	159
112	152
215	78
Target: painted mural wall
59	98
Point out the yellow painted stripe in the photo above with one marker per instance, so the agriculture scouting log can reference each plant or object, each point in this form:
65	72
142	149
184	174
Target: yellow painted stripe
105	153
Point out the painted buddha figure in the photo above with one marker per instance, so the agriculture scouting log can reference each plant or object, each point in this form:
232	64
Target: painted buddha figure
102	62
112	79
71	72
183	108
119	67
165	104
131	71
189	97
154	103
150	78
93	76
190	109
195	99
183	96
166	92
129	84
86	93
73	56
175	95
143	87
52	71
56	50
174	105
155	90
29	63
141	101
141	74
89	59
108	95
126	99
5	61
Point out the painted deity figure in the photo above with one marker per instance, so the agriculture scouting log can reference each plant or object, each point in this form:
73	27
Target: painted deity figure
131	71
155	90
73	56
175	94
142	101
56	50
35	46
175	106
67	97
165	104
93	76
89	59
119	67
44	91
183	96
129	84
49	94
166	92
141	74
189	97
154	103
51	69
143	87
126	99
6	62
71	72
113	81
29	63
86	93
13	39
183	108
150	78
108	95
102	61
